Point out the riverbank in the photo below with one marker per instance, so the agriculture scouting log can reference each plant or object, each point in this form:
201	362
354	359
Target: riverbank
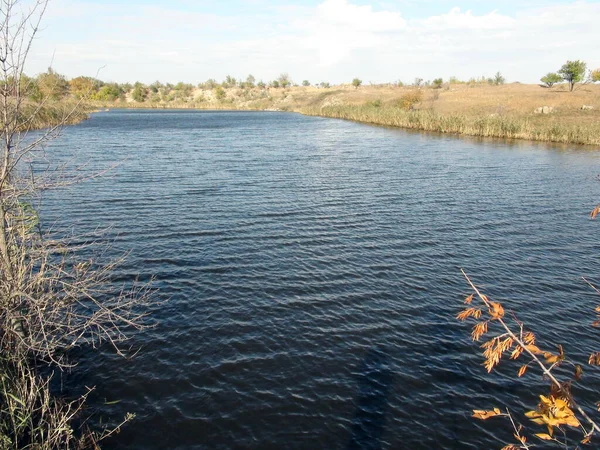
34	116
515	111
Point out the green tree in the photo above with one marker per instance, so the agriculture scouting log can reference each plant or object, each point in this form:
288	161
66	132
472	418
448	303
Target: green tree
306	83
109	92
52	85
229	82
550	79
284	80
250	81
261	84
595	76
220	93
139	92
81	87
498	79
356	82
275	84
573	72
437	83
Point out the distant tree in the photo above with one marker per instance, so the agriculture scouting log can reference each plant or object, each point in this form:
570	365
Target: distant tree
229	82
550	79
499	79
356	82
220	93
250	81
155	87
324	85
139	93
275	84
573	72
211	83
81	87
437	83
284	80
418	82
52	85
595	76
261	84
305	83
109	92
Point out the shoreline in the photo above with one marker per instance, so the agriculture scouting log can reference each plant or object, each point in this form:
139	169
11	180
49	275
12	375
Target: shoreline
495	127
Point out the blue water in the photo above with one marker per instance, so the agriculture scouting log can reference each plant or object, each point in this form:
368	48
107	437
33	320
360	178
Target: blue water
309	275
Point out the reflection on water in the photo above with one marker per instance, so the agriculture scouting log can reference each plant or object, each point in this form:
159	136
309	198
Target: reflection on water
310	275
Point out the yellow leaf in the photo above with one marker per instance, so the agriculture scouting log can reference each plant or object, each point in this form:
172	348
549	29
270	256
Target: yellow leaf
550	358
522	371
544	436
586	440
533	349
469	299
483	414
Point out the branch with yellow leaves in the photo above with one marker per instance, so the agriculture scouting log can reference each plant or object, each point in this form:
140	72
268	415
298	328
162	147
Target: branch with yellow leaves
555	410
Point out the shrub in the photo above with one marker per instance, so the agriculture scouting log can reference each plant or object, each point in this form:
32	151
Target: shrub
550	79
437	83
410	99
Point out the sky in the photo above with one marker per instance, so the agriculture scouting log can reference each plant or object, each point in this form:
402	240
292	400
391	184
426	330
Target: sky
316	40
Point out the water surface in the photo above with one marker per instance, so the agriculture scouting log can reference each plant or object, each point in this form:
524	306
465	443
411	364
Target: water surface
310	272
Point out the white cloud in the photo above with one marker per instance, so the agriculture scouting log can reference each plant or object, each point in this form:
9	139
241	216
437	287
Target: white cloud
334	41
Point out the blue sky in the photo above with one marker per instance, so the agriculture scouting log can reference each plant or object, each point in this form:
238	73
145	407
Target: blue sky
318	40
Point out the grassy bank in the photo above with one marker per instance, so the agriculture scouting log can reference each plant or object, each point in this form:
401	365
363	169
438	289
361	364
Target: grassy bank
514	127
506	111
34	116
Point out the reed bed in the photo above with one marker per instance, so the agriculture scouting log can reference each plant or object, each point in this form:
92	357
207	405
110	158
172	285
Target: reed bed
496	126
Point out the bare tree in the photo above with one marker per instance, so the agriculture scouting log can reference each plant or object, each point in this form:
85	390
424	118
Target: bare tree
52	298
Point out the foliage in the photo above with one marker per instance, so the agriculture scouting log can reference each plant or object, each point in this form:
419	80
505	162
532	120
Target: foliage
498	79
410	99
84	87
220	93
550	79
438	82
109	92
573	72
275	84
52	297
305	83
418	82
139	93
52	85
284	80
229	82
324	85
595	76
356	82
558	408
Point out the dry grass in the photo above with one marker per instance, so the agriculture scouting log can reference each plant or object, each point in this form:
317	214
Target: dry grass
505	111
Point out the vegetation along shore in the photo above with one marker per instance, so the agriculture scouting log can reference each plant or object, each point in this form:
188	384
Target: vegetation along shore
562	108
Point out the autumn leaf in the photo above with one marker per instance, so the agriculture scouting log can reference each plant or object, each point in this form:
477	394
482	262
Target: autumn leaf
469	299
578	372
496	311
544	436
522	371
595	212
484	415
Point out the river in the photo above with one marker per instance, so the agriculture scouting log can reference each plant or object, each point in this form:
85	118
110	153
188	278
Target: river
309	276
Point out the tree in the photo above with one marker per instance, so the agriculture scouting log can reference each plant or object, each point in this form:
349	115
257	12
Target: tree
52	85
53	298
437	83
573	72
284	80
550	79
275	84
261	84
356	83
499	79
250	81
109	93
229	82
84	87
220	93
305	83
595	76
139	93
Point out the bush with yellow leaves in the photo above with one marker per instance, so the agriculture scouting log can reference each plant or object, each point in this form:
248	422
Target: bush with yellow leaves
557	410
